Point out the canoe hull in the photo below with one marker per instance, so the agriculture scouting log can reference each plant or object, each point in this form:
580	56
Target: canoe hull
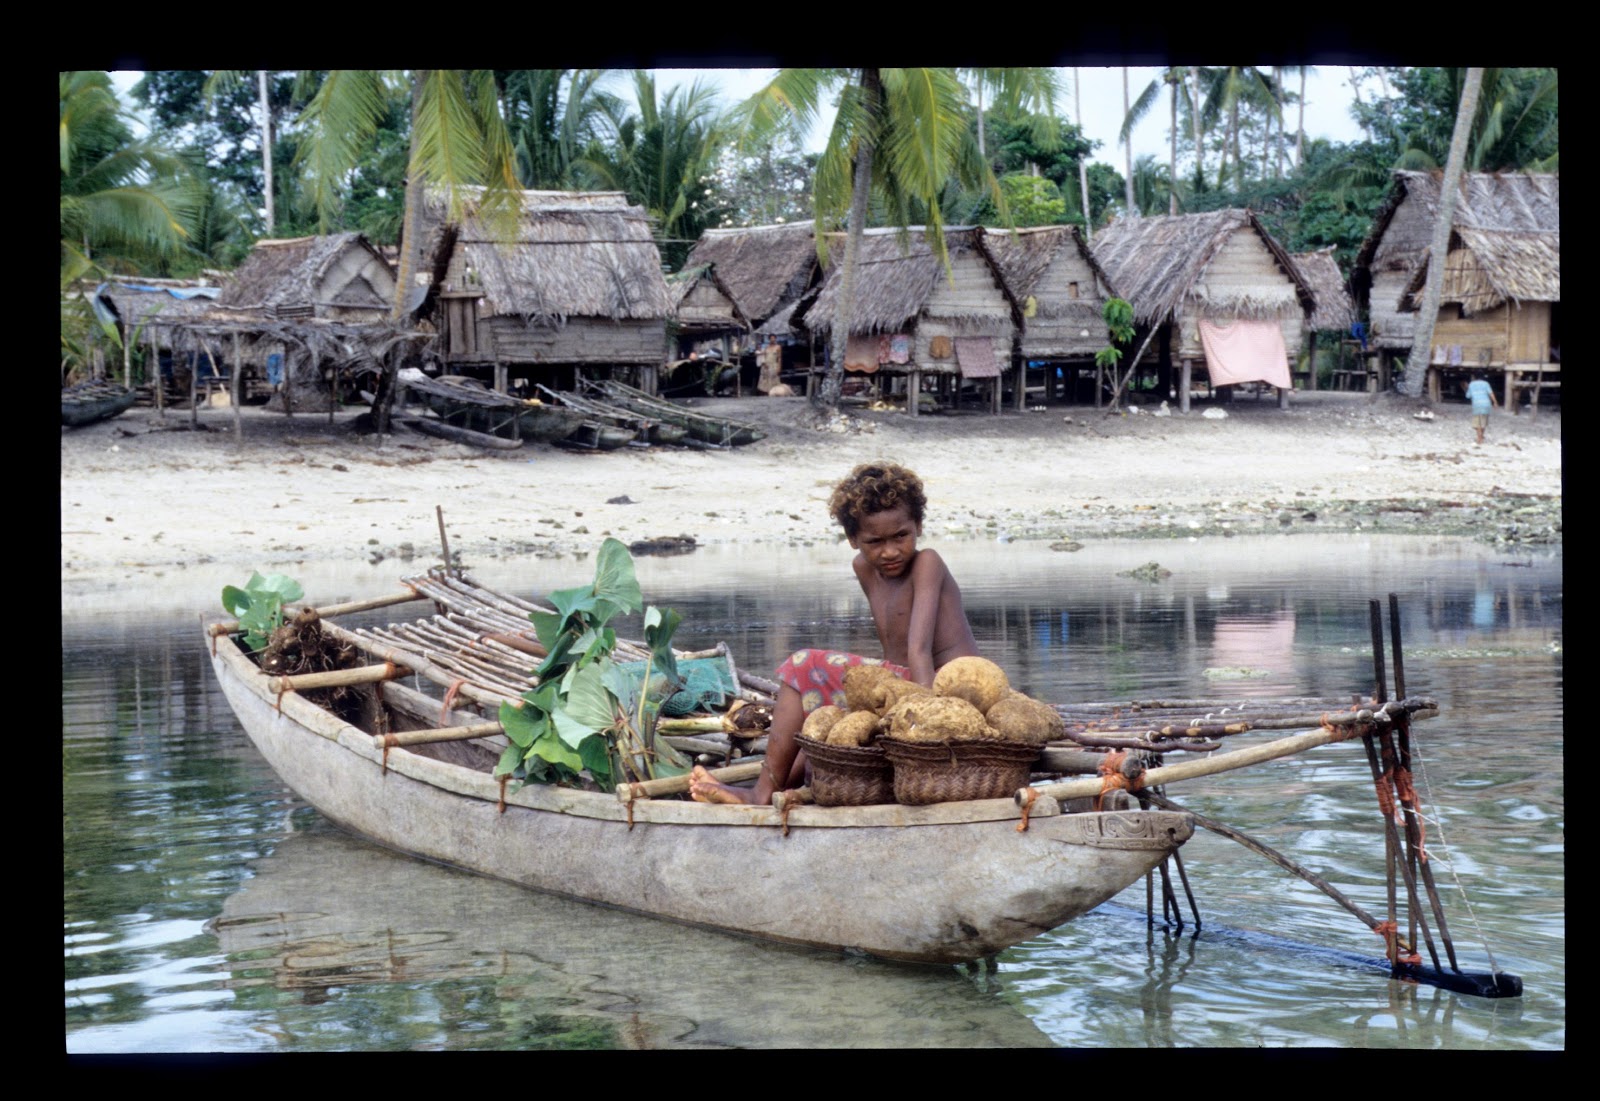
916	884
94	403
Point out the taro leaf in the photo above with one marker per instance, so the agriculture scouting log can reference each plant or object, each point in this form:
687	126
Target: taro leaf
587	701
546	626
658	630
614	579
235	601
596	754
552	748
509	760
287	588
523	725
622	685
571	731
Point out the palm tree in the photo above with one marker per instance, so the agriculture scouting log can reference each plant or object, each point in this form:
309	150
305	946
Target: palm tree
902	133
554	117
123	202
1133	114
660	155
1231	86
1444	220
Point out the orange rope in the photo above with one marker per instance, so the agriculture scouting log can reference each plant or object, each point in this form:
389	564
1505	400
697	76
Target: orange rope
503	780
449	699
1112	778
1028	796
1408	797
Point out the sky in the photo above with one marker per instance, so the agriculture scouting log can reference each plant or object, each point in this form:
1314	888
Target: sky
1328	99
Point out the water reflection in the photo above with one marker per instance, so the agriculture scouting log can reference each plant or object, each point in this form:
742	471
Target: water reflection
206	909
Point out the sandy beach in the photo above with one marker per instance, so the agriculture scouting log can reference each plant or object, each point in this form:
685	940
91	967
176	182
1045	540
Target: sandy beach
152	492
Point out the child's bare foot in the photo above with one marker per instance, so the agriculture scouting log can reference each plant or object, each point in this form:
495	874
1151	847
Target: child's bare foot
703	789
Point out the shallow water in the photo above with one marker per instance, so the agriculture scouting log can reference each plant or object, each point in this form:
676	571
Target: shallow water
207	909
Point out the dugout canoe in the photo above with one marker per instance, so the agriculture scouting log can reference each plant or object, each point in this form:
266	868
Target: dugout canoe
713	431
466	403
91	402
945	883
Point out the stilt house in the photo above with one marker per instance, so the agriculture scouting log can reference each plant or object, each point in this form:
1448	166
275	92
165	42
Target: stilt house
577	284
765	269
1061	291
1397	245
703	308
1497	309
1212	291
913	319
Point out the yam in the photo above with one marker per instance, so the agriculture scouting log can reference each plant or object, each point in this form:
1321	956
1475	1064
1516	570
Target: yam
864	687
935	719
977	680
820	721
855	729
1019	718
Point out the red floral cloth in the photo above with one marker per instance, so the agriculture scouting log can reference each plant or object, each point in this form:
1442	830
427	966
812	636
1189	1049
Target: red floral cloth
818	675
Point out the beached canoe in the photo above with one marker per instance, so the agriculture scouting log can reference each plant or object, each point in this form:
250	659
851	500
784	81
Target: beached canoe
466	403
645	428
715	431
90	402
942	883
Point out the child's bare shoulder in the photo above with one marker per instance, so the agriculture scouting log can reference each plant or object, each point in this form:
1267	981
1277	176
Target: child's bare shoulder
929	564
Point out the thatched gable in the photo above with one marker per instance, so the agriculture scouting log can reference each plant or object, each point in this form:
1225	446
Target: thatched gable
1487	267
897	275
340	277
573	255
1335	312
1402	230
1159	265
701	302
765	268
1061	289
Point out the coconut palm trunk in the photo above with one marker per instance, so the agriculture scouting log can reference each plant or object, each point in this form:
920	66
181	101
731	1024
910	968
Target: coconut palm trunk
1199	131
827	396
1438	246
1172	162
1127	149
1083	167
266	145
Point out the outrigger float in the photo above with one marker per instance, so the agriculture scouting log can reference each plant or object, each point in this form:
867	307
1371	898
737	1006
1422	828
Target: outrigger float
402	750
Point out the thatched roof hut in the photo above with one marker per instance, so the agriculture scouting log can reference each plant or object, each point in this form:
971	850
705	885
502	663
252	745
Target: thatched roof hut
1523	202
148	308
702	305
1334	312
912	316
1489	267
1197	272
1059	286
765	269
578	282
338	278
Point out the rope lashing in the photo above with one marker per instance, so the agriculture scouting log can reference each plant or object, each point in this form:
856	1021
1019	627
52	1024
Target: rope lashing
503	780
449	700
1113	778
1028	795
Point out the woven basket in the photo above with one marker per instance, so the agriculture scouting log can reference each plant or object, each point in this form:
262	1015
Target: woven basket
944	772
848	776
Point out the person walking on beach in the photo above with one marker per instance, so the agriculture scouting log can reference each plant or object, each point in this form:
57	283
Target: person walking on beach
1482	398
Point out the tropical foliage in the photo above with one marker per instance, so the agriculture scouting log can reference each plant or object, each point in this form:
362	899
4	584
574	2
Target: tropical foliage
590	718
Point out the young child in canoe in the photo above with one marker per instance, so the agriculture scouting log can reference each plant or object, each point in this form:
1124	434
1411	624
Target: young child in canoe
916	607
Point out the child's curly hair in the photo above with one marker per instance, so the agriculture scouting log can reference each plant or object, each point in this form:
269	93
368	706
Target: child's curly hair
875	487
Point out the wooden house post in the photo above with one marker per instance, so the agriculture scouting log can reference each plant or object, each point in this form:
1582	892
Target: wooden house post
1185	379
155	361
236	390
914	391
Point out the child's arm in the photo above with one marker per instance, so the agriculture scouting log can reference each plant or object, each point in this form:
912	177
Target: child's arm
928	573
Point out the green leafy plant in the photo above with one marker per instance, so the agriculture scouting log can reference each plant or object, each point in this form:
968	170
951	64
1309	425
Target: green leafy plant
1118	315
590	713
259	606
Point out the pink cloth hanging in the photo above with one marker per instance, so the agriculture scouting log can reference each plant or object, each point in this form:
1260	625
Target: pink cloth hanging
861	354
1245	351
975	354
